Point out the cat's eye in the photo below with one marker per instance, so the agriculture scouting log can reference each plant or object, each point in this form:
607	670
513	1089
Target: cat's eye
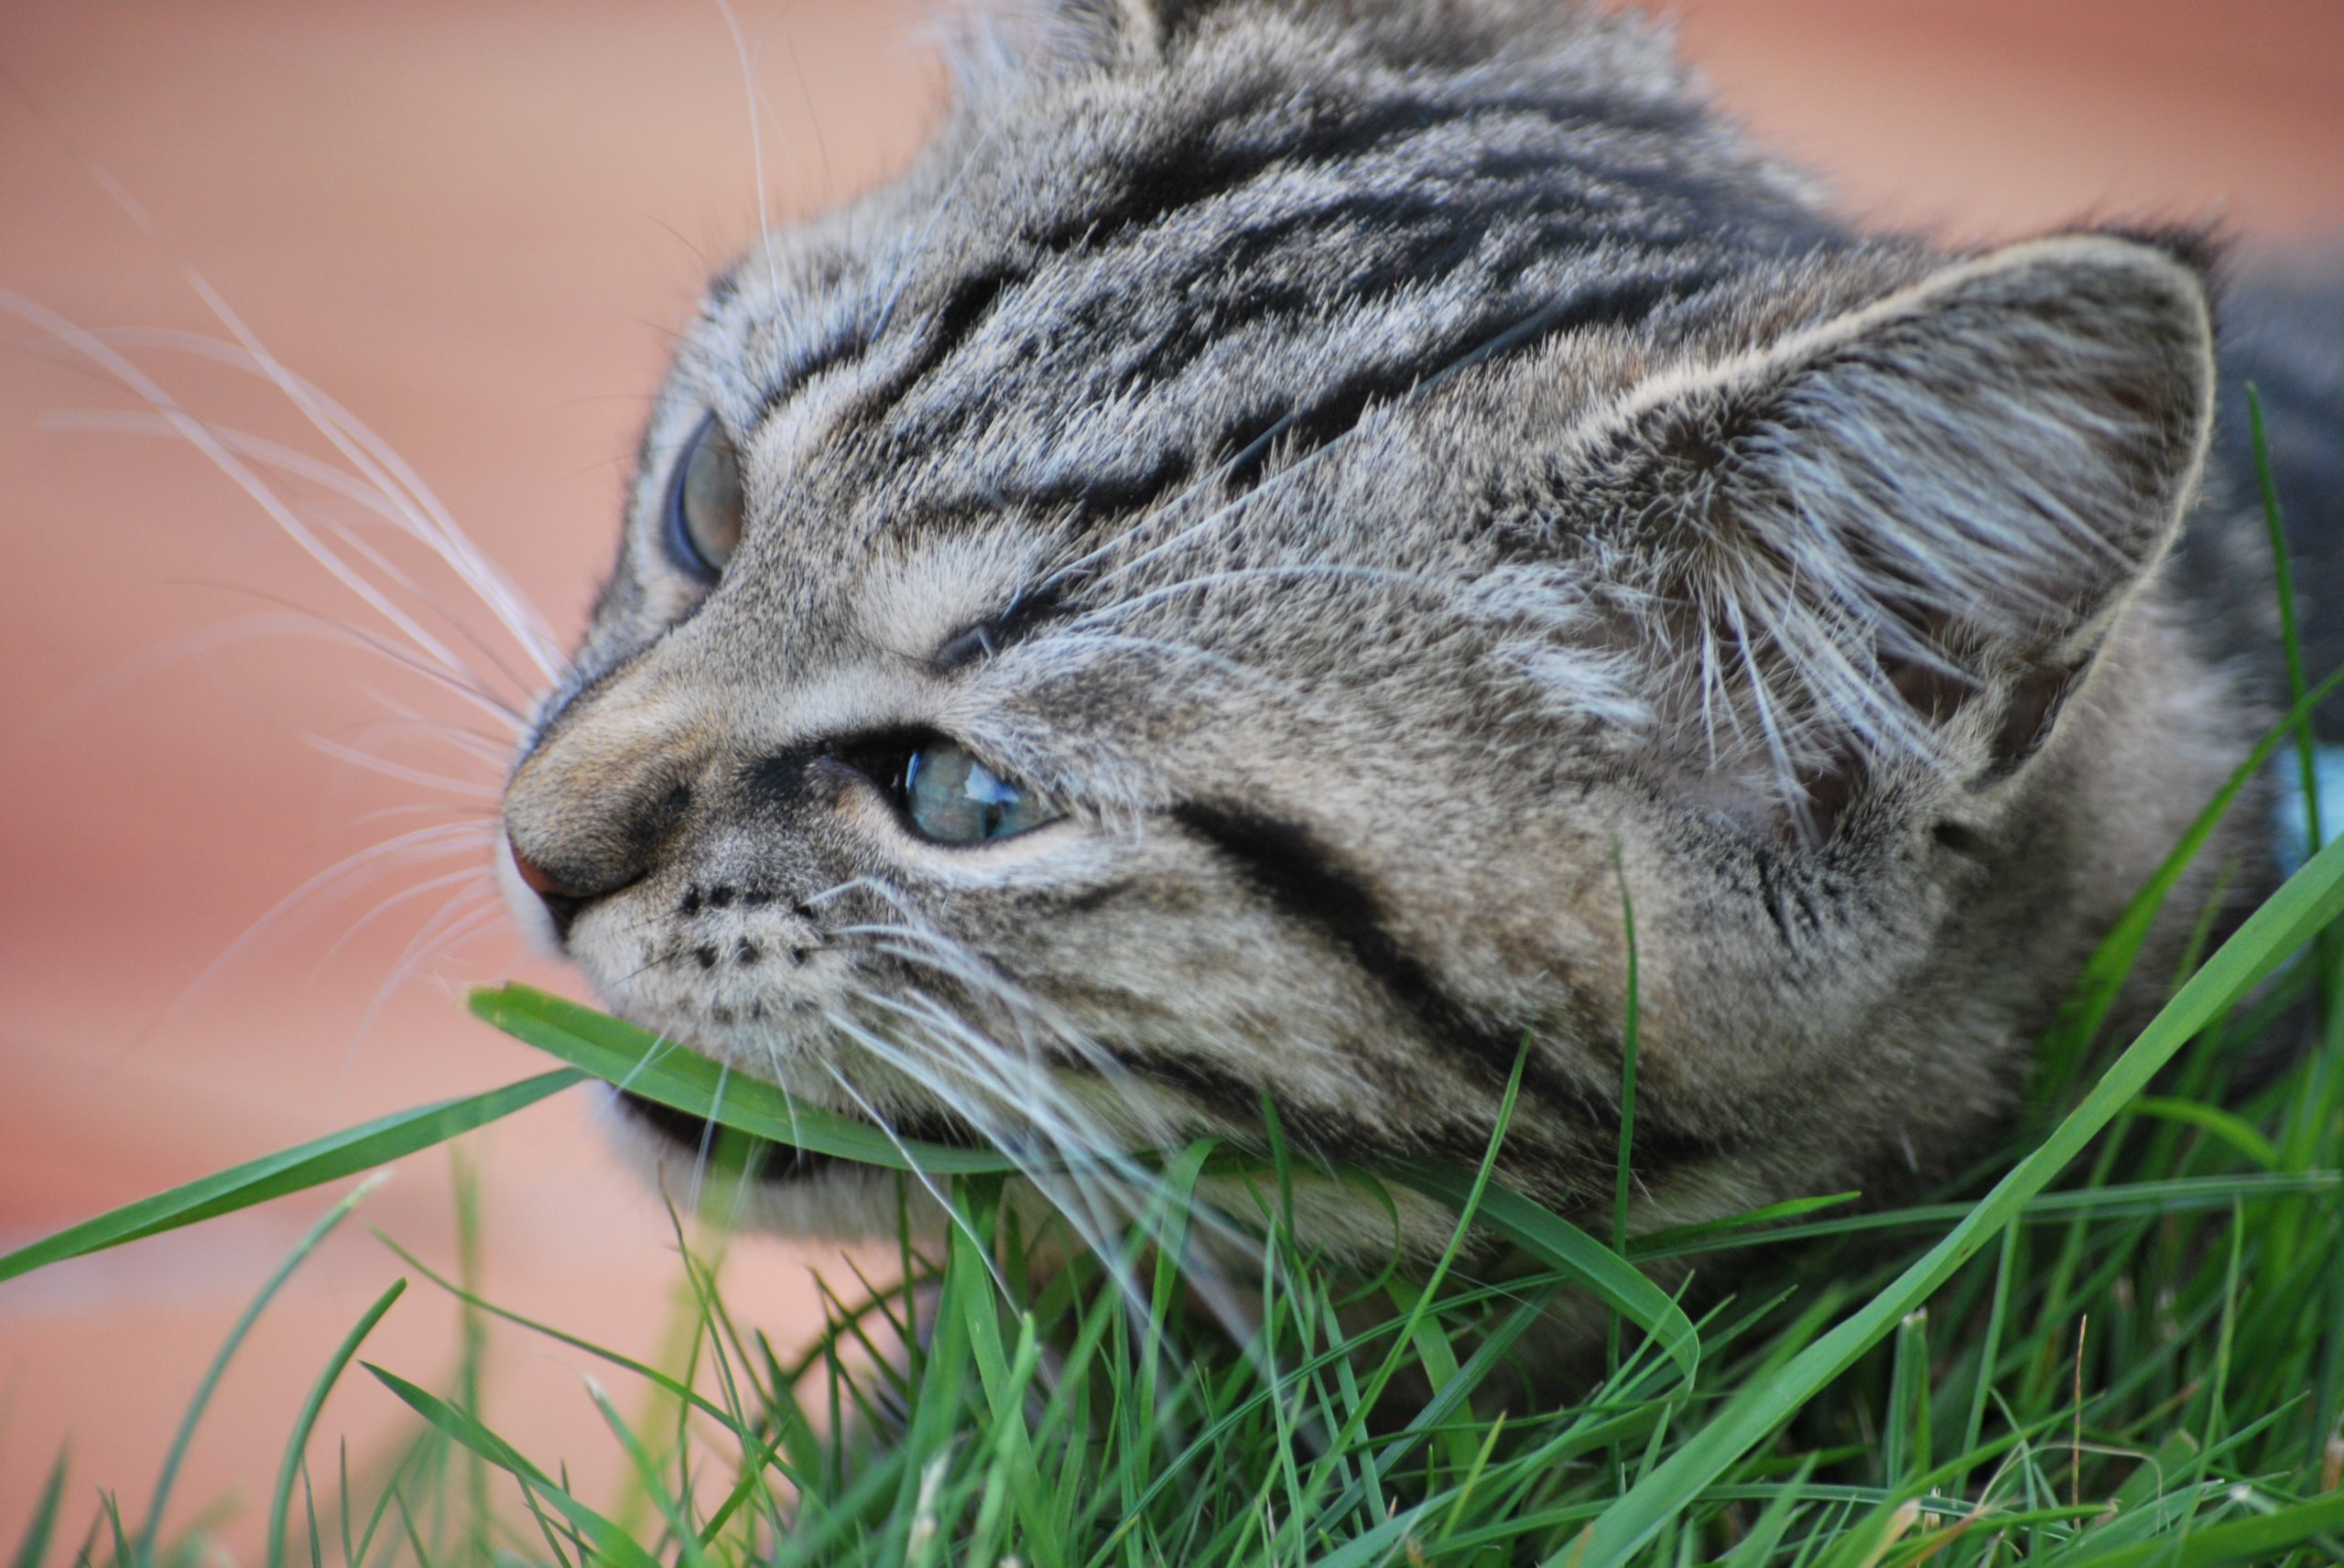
704	503
955	799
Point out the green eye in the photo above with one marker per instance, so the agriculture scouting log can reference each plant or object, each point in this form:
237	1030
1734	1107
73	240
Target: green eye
956	799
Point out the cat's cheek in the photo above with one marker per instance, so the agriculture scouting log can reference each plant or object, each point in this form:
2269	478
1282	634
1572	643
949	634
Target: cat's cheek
529	912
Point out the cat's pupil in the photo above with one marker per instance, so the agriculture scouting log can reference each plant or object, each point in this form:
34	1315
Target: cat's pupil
956	799
708	501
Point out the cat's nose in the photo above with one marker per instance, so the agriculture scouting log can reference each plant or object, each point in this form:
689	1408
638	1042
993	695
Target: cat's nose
601	803
537	879
562	900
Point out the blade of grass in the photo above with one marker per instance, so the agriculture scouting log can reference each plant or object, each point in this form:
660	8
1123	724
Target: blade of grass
650	1374
309	1513
346	1153
283	1497
2178	1195
2110	964
1989	1353
939	1410
122	1555
609	1540
1561	1245
1679	1238
242	1326
471	1342
1624	1178
659	1069
2290	636
2307	904
33	1546
647	1470
1468	1208
2256	1540
2228	1126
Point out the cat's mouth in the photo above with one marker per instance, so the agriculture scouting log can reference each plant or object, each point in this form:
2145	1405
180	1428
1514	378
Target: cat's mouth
777	1165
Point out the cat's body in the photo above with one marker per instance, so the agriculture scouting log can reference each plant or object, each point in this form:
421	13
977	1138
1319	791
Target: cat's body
1374	488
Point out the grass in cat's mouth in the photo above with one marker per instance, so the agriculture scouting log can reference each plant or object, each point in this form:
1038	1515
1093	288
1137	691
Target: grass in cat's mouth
778	1164
678	1092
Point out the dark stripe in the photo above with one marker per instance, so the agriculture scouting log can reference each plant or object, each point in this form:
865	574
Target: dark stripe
1107	495
1403	258
1579	204
1336	411
1285	864
1029	613
837	351
1409	235
1199	165
1202	162
1241	451
968	305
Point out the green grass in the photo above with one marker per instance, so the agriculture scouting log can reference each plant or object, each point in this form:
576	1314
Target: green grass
2121	1344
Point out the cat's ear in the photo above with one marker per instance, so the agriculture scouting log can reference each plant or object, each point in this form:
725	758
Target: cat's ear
1908	530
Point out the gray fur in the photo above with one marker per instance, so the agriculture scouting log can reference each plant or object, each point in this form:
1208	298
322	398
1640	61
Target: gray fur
1406	469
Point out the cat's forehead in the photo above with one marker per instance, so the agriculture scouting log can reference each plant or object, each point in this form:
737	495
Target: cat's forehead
1083	303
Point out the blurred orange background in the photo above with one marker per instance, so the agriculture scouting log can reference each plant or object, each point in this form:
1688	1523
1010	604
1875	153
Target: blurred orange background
471	226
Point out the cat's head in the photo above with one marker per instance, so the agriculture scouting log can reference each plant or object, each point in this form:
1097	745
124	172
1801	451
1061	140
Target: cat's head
1223	579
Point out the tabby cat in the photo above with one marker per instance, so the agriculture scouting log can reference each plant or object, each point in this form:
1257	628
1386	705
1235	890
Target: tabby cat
1230	576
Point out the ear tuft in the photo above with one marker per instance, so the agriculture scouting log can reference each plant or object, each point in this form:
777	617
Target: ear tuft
1906	531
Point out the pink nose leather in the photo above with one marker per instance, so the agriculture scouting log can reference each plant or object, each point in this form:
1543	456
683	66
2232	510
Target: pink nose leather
537	879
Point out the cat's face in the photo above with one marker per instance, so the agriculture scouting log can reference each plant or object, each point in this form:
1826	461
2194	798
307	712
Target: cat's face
1220	582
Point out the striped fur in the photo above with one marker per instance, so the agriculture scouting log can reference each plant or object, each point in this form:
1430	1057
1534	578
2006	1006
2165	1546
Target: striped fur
1402	477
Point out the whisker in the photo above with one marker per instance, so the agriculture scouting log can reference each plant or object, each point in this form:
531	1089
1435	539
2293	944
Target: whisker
456	624
492	750
813	116
1081	564
286	460
471	789
756	142
708	1136
311	622
477	875
428	518
1189	651
440	934
1104	1189
983	978
422	843
1022	1085
198	436
886	1129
